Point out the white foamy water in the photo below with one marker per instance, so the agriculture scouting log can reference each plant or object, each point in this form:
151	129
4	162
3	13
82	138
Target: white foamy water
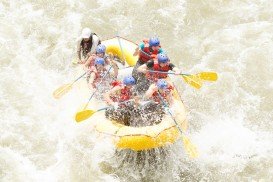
230	120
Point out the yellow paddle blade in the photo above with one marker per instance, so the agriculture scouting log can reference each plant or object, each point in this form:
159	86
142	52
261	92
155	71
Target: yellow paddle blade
189	147
83	115
208	76
193	80
62	90
75	61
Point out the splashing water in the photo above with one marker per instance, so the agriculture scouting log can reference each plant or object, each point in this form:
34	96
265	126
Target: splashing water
230	120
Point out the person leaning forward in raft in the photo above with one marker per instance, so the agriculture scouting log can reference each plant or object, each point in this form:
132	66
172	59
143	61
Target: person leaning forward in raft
120	97
147	51
162	87
162	64
153	111
99	73
87	45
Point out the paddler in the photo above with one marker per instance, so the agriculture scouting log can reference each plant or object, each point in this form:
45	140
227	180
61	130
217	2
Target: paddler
119	97
87	45
147	50
161	63
162	87
98	71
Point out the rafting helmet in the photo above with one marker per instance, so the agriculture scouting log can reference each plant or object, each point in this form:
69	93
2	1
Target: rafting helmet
162	58
154	41
99	61
129	80
162	84
86	32
100	49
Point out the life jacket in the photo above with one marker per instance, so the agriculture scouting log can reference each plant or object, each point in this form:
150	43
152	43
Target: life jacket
156	76
163	94
147	53
87	45
124	94
98	75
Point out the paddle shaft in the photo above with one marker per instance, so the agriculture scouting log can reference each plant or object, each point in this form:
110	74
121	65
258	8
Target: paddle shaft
79	77
122	54
178	92
170	73
97	86
104	108
166	105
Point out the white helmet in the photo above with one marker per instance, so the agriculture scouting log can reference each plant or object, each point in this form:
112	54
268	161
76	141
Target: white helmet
86	32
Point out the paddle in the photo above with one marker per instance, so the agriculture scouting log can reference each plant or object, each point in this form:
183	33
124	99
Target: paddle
194	80
84	114
58	93
190	148
208	76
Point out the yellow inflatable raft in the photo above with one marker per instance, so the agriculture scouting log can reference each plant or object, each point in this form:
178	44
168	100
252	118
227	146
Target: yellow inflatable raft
139	138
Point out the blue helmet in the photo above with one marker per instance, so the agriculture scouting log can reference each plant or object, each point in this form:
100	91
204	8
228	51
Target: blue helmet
162	58
129	80
162	84
100	49
154	41
99	61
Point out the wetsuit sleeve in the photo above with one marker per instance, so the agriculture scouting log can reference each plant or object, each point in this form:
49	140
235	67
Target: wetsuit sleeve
150	64
171	66
141	46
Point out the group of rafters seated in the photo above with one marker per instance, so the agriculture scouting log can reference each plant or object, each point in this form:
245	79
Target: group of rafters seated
137	100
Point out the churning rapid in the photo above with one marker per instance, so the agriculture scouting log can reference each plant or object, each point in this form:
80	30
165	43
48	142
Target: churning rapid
230	120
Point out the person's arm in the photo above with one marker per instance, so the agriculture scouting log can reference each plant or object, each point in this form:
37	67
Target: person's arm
170	95
92	78
87	63
109	60
176	70
144	68
107	95
115	66
150	91
170	98
94	44
136	51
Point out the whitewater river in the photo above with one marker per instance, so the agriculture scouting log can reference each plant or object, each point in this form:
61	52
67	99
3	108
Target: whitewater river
230	121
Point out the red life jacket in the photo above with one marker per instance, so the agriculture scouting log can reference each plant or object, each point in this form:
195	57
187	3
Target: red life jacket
147	53
125	93
164	95
156	76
